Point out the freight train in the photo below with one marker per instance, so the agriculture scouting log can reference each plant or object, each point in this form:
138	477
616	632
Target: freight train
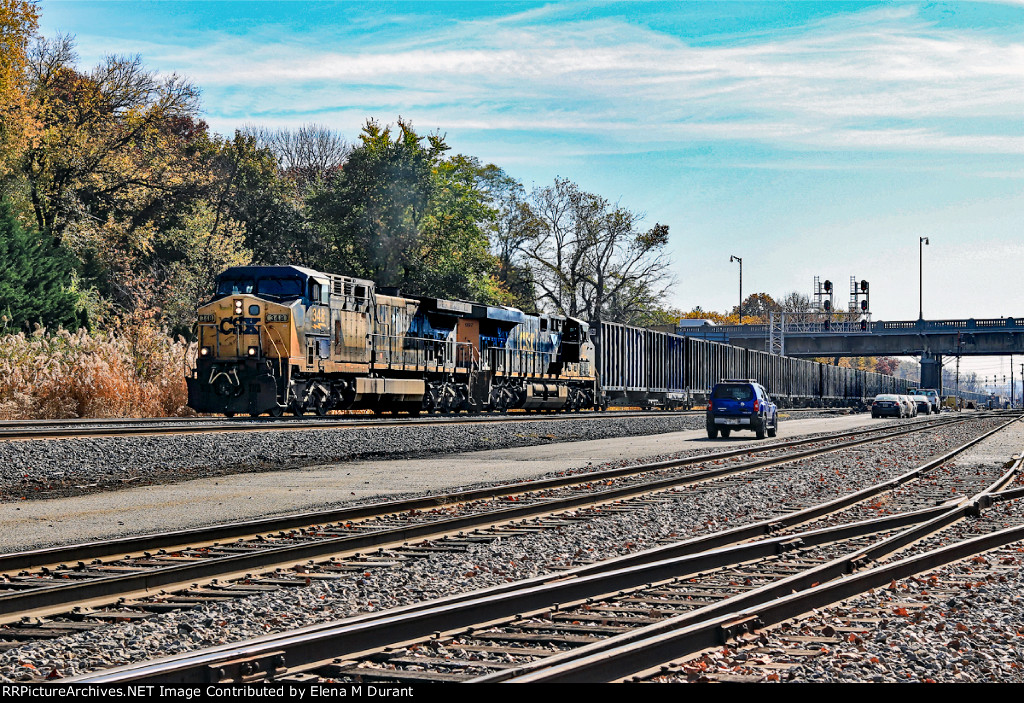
278	339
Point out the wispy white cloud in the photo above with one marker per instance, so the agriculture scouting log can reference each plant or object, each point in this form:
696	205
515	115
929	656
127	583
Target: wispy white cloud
880	79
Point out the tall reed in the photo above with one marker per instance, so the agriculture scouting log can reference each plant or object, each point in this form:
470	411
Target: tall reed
124	372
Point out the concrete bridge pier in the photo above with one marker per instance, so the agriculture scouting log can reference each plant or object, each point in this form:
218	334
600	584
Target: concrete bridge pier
931	371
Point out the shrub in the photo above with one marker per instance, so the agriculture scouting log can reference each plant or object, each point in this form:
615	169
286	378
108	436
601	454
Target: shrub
124	372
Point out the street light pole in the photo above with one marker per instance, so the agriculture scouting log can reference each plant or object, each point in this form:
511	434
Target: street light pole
920	277
736	258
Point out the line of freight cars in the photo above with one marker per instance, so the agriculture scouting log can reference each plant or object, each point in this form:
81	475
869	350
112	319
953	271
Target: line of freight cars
646	367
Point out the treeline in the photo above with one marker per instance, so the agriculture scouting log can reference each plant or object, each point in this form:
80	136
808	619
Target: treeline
119	206
120	203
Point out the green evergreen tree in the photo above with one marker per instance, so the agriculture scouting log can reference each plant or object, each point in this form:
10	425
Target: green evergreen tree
35	277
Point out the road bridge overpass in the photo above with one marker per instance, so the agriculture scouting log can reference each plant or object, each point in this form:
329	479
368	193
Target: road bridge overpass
814	335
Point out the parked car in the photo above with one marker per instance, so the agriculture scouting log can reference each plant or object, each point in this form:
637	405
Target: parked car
741	404
887	405
909	406
923	402
931	394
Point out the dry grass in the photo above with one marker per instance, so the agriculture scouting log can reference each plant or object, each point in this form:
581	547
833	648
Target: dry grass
127	372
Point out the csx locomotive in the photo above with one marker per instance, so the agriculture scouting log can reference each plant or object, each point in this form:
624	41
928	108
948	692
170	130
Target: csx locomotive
278	339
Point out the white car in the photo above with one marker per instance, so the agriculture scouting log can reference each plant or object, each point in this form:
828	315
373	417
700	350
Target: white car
909	406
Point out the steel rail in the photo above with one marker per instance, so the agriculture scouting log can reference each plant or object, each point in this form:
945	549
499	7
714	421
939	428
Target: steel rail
276	654
204	535
645	649
369	417
26	430
58	598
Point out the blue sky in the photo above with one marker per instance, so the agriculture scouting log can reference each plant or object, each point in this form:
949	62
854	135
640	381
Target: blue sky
807	138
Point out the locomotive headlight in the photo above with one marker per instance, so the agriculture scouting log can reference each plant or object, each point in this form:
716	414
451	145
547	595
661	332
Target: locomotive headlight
253	351
205	351
238	307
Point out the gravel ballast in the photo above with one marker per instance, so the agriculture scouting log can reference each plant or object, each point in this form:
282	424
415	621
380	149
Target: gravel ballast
52	468
487	564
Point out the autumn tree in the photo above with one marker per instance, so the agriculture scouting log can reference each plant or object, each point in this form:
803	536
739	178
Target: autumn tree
310	155
757	308
117	142
19	20
513	225
699	313
248	189
125	174
887	365
454	257
590	259
204	244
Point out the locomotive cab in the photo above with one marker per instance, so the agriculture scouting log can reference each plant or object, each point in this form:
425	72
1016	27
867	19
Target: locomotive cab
247	336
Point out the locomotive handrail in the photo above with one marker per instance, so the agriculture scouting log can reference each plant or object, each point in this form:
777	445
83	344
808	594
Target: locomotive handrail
274	344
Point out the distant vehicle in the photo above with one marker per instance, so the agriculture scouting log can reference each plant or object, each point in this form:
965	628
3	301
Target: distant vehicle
887	405
931	393
692	322
924	403
741	404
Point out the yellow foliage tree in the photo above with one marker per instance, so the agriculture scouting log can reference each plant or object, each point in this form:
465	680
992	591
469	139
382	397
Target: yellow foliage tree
19	21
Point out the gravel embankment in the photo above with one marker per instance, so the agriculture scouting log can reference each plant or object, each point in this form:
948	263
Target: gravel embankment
732	504
52	468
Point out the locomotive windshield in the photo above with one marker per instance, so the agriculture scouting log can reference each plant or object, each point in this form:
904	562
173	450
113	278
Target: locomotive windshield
268	287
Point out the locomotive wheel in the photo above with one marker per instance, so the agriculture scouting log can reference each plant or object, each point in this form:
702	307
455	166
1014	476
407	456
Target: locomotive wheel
321	405
449	400
276	411
229	414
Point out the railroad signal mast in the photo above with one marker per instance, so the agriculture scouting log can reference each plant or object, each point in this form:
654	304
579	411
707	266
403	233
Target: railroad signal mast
857	305
822	315
857	290
823	297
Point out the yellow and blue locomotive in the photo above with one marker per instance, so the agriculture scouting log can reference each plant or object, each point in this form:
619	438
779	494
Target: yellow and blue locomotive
278	339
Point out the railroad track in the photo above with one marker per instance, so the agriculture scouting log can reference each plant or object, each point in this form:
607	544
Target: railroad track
233	556
626	617
42	582
12	430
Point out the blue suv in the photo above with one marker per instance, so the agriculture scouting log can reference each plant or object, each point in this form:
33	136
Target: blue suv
741	404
